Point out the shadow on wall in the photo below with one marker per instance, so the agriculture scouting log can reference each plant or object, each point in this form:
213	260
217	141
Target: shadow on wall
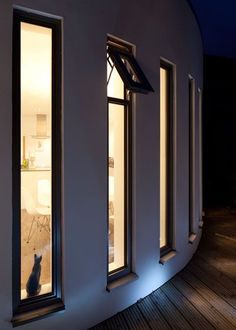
219	132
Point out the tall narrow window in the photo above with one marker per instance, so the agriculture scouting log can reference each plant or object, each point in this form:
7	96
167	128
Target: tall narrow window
36	167
124	76
119	188
200	152
166	157
191	157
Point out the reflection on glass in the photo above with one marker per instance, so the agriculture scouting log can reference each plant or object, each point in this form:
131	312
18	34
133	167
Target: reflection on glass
36	224
130	69
163	155
116	187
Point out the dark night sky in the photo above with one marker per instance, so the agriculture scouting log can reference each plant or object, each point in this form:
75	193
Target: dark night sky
217	19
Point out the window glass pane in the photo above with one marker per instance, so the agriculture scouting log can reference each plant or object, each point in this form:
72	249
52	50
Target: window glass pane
116	187
115	87
163	155
130	69
36	99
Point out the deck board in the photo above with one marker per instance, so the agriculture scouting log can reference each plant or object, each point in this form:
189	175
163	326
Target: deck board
190	312
201	296
152	314
213	282
207	310
170	312
135	319
117	322
215	300
215	273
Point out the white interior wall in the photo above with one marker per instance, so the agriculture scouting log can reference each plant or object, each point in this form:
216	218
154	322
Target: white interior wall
158	28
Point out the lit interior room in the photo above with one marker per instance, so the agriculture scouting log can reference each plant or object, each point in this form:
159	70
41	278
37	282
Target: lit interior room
116	169
35	154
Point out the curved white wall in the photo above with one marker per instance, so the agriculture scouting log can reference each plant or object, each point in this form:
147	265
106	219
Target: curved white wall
158	28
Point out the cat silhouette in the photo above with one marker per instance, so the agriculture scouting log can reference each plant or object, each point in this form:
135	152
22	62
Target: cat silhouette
33	287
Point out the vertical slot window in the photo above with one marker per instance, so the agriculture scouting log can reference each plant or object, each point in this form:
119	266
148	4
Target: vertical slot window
166	157
191	157
200	152
119	163
36	170
124	77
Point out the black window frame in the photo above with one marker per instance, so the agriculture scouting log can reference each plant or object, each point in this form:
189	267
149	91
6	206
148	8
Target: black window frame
200	151
34	308
191	139
120	272
142	85
126	102
170	159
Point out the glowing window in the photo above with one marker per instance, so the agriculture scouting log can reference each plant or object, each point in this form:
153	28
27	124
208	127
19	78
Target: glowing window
119	172
166	157
36	159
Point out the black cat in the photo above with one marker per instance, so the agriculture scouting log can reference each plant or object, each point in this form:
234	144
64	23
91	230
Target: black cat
33	287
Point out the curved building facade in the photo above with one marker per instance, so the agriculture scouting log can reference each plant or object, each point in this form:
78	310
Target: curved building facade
106	136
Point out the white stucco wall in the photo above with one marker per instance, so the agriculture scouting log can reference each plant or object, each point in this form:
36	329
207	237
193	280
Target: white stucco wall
158	28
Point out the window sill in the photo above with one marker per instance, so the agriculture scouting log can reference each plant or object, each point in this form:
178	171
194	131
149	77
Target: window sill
26	317
168	256
121	281
192	238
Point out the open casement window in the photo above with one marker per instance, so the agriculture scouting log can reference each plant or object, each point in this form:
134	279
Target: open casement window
166	157
129	70
36	166
124	76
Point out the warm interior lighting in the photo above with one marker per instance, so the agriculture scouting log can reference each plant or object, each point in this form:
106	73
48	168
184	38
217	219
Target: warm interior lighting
41	125
115	87
116	186
36	99
44	192
36	44
163	156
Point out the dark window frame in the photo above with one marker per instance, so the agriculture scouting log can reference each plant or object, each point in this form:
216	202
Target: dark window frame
200	151
191	139
37	307
170	159
127	104
117	53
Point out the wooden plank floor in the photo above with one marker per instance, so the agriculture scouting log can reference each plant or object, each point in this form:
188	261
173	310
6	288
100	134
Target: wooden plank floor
201	296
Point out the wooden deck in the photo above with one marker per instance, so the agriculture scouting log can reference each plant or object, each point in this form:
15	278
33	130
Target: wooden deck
201	296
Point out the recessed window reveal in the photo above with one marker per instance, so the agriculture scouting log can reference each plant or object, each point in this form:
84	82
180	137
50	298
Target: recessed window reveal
166	157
